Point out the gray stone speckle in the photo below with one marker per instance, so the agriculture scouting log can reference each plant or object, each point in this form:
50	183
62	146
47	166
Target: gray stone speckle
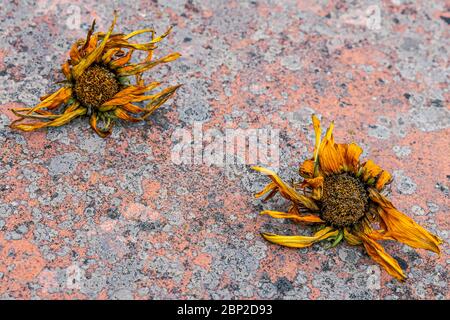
5	210
293	63
92	143
433	207
404	184
418	210
193	102
266	289
431	118
122	294
402	151
166	269
65	163
379	132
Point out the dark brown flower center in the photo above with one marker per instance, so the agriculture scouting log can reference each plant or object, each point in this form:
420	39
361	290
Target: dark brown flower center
344	200
96	86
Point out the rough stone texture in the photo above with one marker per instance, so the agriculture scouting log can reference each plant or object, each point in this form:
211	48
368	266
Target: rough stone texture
82	217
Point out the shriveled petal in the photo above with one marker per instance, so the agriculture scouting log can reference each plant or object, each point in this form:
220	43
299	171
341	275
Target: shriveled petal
91	45
44	114
74	53
383	179
269	188
296	217
371	170
141	67
402	228
39	114
307	169
165	34
132	108
53	100
102	132
287	191
318	137
72	107
122	114
109	54
65	68
129	94
379	255
149	46
316	182
122	43
158	100
137	32
87	61
352	156
121	61
88	42
351	238
330	157
300	241
134	94
56	122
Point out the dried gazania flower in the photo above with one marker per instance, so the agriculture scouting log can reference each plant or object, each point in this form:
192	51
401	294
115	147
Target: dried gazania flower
345	198
97	84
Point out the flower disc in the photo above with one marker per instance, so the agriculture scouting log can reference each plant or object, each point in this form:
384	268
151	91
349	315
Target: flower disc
96	86
344	200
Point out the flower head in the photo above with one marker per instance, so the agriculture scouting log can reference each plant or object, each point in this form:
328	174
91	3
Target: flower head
97	84
345	198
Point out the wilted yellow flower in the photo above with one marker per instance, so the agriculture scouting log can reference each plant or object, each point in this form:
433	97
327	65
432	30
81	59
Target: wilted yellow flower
97	84
345	197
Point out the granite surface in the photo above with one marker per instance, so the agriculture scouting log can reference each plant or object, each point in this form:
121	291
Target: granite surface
88	218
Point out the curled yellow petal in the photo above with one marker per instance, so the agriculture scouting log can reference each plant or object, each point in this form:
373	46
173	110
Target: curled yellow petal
109	54
316	182
88	42
296	217
121	61
351	238
56	122
384	178
122	114
66	70
330	157
87	61
352	156
300	241
128	94
137	32
318	137
402	228
53	100
379	255
102	132
146	65
159	99
74	53
306	169
165	34
288	192
40	114
371	170
132	108
269	188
